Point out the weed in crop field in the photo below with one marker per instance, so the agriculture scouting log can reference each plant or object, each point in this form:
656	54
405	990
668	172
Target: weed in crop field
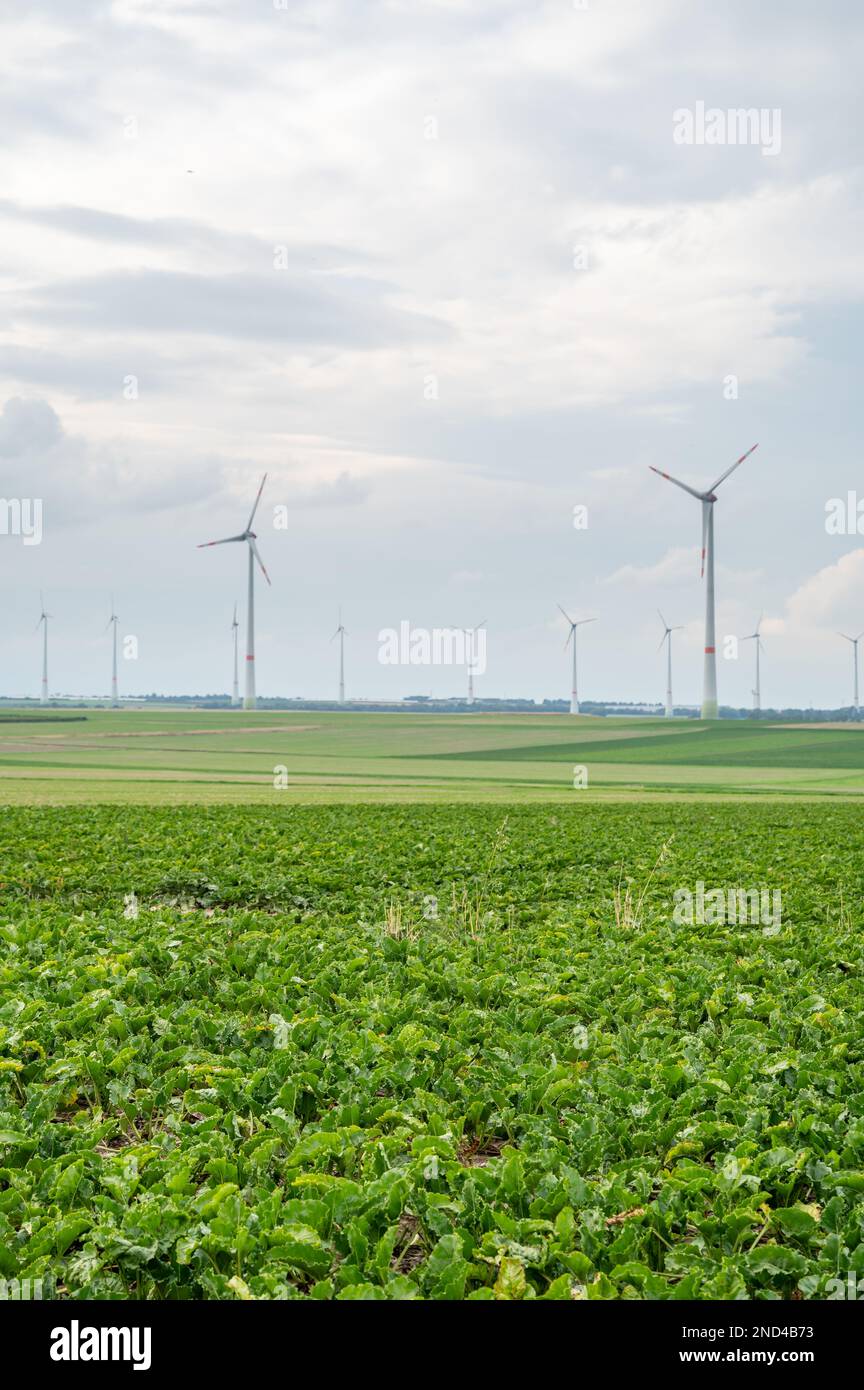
284	1074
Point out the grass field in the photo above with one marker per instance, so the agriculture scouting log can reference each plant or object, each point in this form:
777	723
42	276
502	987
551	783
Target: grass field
436	1051
203	756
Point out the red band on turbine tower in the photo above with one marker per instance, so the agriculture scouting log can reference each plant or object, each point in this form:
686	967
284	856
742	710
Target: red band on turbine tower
709	651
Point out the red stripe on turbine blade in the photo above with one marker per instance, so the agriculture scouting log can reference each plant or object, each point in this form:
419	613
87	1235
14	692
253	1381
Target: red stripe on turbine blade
709	651
250	658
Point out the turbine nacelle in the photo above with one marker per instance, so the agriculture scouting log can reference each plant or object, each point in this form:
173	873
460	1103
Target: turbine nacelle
580	622
667	630
757	635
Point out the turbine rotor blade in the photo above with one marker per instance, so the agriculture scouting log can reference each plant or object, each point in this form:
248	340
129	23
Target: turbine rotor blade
677	482
736	464
566	615
253	547
227	540
257	500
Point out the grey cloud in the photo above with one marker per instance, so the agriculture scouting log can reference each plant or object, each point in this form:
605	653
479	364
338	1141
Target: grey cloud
343	491
28	426
181	235
97	376
279	307
81	482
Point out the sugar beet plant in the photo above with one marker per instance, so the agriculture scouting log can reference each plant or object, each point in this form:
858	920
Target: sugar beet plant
411	1053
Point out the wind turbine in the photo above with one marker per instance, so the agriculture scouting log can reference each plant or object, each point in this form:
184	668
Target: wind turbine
470	634
571	637
709	680
854	641
43	623
248	535
235	629
756	637
667	638
113	621
341	634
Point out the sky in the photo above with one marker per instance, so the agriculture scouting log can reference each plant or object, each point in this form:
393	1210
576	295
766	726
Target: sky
445	270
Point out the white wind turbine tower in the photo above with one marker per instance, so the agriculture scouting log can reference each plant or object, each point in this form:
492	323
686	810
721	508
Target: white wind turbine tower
667	638
341	634
250	538
470	633
112	622
757	638
709	681
571	637
43	623
854	641
235	629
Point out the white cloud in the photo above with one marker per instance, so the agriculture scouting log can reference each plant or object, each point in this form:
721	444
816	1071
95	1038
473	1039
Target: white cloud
679	565
831	598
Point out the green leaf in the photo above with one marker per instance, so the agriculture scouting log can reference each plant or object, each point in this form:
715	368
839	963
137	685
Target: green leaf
511	1282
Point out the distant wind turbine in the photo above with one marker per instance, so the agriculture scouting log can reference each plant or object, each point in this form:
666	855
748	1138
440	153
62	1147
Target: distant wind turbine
709	681
757	638
470	633
667	638
112	622
43	623
248	535
235	629
571	637
341	634
854	641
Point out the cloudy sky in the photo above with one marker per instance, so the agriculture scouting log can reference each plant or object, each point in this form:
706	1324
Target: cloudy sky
441	268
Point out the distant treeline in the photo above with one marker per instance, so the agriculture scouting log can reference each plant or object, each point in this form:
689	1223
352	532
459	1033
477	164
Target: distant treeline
35	716
11	711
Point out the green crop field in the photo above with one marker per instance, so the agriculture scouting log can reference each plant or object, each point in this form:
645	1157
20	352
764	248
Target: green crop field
470	1049
169	756
430	1052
